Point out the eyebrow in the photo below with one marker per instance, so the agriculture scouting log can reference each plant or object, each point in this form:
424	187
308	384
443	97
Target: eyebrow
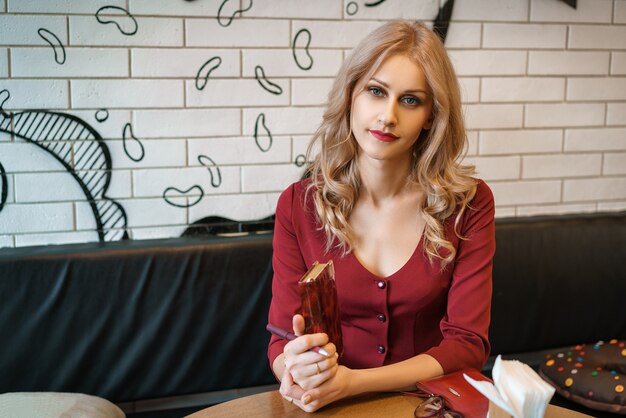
407	91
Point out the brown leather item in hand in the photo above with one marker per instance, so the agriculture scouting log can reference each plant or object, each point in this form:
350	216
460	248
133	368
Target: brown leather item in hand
319	306
458	393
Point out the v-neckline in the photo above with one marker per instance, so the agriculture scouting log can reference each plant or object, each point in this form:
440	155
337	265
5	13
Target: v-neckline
404	266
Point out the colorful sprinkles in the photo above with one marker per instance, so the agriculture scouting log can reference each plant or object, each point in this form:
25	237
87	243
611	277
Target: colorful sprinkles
590	372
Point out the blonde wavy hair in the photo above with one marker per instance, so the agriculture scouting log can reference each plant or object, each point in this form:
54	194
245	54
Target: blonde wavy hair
335	180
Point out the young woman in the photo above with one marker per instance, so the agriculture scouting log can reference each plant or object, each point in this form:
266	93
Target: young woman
410	232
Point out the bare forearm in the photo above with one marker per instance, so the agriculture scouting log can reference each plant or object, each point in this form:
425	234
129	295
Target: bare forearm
398	376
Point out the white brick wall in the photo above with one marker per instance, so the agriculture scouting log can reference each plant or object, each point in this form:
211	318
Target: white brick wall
597	37
310	91
407	9
524	36
186	123
568	62
543	88
22	29
126	93
4	62
564	114
559	166
618	63
242	150
241	33
235	93
179	62
36	94
491	10
614	164
151	31
61	6
588	11
606	139
616	114
520	141
619	15
79	62
484	63
523	89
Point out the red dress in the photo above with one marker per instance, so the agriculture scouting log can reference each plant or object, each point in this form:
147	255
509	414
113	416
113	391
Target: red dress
384	320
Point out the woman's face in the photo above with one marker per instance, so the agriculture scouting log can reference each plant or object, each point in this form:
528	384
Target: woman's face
391	110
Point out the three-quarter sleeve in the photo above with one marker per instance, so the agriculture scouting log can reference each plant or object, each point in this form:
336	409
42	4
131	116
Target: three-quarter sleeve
288	265
466	323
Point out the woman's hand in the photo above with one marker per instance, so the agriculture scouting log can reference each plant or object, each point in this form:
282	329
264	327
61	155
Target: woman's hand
333	389
305	369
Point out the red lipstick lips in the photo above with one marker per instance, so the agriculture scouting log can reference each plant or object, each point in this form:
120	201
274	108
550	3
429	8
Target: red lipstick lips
383	136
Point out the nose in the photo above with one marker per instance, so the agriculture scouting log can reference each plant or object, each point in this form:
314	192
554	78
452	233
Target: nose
388	114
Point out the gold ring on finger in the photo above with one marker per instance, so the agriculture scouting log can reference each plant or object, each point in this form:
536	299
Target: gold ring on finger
318	368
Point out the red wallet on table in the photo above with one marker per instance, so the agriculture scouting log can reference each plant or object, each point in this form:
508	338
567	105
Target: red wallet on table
458	393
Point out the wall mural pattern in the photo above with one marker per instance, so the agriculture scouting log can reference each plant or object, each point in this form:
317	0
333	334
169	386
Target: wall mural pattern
81	151
85	155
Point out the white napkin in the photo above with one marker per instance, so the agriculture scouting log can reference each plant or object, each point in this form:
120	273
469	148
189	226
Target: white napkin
517	390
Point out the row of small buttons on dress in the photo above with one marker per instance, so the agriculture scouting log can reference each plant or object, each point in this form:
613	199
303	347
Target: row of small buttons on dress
381	317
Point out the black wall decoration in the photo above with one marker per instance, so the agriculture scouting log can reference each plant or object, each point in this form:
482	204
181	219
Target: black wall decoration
442	21
4	186
267	85
214	170
55	43
125	22
202	77
194	195
101	115
352	8
374	3
300	160
300	47
81	151
226	21
130	142
263	140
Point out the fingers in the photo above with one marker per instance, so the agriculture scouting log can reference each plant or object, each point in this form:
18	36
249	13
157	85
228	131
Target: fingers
305	343
298	324
288	389
310	381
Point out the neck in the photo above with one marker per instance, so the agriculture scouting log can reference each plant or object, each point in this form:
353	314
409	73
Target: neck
384	180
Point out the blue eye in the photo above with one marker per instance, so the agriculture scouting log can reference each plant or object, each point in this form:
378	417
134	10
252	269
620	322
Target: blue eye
410	100
375	91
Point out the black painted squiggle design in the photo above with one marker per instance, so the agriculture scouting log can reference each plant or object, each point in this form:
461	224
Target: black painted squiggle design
4	189
442	21
102	115
130	23
170	193
374	4
352	8
260	122
300	160
213	168
306	49
230	19
55	43
208	67
273	88
127	137
81	151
